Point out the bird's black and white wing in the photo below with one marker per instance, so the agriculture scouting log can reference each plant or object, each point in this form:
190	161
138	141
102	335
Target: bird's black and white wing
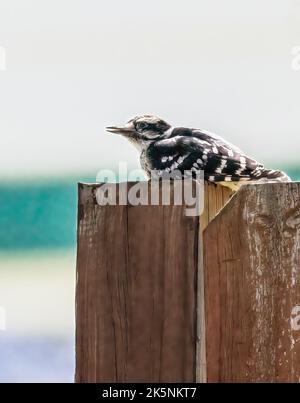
230	164
174	154
192	149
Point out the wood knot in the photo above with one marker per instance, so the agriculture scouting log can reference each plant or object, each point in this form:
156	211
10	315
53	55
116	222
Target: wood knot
292	218
264	221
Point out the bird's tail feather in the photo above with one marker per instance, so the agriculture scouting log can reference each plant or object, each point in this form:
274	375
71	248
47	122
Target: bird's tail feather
271	175
266	176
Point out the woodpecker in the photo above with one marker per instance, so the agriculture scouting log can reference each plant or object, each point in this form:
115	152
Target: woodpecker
165	148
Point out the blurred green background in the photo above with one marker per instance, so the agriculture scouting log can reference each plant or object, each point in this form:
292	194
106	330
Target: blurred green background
72	68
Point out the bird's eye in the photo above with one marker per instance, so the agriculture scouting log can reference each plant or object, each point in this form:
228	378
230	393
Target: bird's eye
141	126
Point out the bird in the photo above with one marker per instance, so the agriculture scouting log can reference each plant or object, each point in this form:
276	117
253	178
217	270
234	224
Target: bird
164	149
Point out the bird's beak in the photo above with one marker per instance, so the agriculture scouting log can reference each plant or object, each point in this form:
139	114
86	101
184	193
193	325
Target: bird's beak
124	130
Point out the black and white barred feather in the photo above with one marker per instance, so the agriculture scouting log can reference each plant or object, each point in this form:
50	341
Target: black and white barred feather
166	149
193	149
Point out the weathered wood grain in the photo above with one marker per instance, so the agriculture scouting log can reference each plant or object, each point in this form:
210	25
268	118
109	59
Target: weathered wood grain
139	299
252	286
136	292
215	198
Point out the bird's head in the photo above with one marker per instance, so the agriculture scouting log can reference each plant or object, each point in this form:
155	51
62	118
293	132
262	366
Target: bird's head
142	129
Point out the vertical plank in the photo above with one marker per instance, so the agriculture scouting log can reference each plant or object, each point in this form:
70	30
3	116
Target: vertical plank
136	292
215	198
252	286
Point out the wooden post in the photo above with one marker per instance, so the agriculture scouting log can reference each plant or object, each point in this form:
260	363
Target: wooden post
138	288
252	286
215	198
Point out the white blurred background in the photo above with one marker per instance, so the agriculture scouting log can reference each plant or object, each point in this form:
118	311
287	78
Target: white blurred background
73	67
